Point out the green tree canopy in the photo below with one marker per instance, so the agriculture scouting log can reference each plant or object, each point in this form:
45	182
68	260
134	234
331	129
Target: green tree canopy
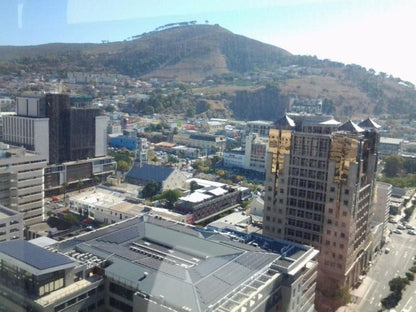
171	197
194	186
122	165
393	165
150	189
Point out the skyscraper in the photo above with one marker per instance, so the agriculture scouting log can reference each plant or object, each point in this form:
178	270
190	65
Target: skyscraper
320	179
73	140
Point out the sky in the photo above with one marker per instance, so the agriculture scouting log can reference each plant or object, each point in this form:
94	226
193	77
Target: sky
376	34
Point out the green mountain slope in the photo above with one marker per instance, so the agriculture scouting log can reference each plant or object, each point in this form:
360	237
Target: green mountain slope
201	52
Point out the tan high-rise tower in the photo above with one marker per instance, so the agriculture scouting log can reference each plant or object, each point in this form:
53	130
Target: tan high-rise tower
320	178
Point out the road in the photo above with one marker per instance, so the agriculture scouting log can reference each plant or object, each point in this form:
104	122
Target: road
385	267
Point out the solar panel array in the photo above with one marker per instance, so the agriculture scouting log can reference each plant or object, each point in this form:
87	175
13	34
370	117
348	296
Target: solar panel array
33	255
211	289
255	261
121	236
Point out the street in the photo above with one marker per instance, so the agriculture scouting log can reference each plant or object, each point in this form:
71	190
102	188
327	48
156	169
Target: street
367	297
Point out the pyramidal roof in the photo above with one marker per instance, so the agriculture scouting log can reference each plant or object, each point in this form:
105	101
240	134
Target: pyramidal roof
285	121
351	127
369	124
331	122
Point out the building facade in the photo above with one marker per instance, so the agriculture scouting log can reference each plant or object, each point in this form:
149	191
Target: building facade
73	140
48	124
21	182
319	187
11	224
382	201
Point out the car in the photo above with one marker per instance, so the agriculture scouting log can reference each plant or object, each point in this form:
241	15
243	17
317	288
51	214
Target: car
397	231
411	232
409	227
401	227
392	221
387	250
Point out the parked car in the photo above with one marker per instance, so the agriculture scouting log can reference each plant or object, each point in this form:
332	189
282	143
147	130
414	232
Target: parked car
397	231
401	227
387	250
392	221
411	232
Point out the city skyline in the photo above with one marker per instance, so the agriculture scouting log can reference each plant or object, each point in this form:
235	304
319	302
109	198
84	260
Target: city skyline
368	33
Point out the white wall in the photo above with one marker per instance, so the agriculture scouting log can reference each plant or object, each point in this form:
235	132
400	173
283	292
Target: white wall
41	137
101	123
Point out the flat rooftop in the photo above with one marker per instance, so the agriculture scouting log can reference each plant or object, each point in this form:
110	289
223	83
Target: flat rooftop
99	197
6	212
33	258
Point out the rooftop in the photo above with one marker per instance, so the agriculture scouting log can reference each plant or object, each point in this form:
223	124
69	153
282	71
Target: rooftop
33	258
185	265
6	212
150	173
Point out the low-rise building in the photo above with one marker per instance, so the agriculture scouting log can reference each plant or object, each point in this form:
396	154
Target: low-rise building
123	141
212	199
390	146
151	264
169	178
253	157
105	205
36	279
207	142
86	171
234	159
11	224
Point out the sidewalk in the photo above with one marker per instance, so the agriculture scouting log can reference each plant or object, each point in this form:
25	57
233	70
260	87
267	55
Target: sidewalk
357	295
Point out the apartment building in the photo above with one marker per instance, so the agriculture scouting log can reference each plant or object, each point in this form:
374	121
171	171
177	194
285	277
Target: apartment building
319	188
151	264
21	182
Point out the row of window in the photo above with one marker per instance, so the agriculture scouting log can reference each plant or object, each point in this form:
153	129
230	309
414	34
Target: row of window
300	234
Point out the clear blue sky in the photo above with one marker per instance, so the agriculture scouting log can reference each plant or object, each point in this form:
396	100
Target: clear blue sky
376	34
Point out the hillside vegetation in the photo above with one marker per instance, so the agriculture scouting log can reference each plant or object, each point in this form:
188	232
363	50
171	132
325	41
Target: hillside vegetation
207	53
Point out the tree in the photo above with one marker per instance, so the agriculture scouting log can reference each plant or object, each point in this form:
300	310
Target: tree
70	218
397	284
171	197
123	166
173	159
150	189
64	186
393	165
191	112
194	186
80	184
95	180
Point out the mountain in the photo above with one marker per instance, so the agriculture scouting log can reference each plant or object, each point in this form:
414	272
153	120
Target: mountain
207	52
195	51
